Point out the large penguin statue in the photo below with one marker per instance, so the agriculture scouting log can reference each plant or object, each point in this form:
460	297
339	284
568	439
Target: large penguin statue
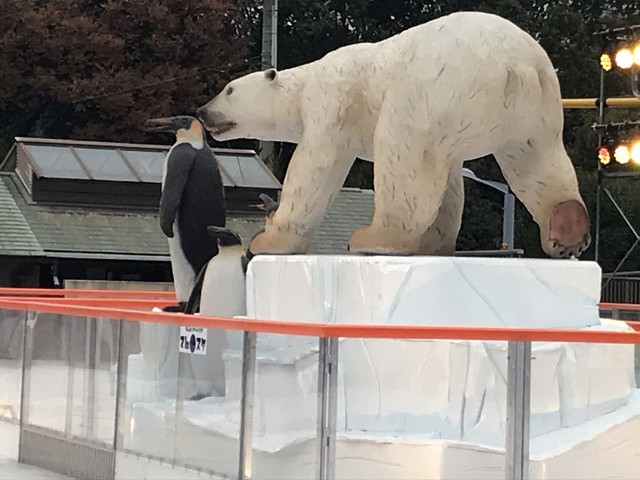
192	200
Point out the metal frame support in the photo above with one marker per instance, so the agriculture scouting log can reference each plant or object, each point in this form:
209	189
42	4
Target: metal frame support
602	103
518	410
327	407
247	402
509	205
509	217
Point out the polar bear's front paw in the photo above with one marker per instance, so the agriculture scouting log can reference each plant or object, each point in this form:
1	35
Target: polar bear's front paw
383	241
568	230
278	242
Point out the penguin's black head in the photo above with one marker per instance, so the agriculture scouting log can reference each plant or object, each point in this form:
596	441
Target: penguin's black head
225	236
181	125
269	205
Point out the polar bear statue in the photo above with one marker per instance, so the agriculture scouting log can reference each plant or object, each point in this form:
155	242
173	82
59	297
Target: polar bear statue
417	105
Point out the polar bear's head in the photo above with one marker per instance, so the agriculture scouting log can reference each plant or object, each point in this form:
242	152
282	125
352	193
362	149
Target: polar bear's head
245	108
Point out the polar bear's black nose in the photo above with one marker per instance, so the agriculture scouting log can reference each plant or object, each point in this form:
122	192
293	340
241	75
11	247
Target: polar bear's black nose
201	113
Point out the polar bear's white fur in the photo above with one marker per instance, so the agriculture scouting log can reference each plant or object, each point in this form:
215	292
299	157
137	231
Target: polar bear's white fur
417	104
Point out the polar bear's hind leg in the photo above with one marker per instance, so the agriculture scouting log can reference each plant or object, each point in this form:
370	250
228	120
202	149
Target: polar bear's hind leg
440	238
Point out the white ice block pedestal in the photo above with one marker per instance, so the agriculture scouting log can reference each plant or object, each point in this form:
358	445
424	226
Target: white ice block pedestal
446	391
490	292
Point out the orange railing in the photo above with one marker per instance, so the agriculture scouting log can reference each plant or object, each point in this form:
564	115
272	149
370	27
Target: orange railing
87	303
92	306
56	292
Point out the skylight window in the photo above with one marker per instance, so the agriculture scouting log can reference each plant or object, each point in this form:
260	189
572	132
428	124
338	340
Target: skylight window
56	162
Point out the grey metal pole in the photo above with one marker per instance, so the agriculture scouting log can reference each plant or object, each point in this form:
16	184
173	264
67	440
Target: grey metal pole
601	115
27	361
269	60
121	387
508	220
270	34
321	407
518	410
68	335
89	407
327	407
332	408
246	407
27	353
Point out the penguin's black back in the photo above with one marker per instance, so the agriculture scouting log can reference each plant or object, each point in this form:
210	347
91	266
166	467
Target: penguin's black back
203	204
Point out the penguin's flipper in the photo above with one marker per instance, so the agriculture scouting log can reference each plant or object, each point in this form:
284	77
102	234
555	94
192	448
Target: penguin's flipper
177	308
179	163
193	303
244	261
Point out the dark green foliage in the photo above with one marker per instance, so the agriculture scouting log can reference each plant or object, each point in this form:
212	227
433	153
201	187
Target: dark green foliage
97	70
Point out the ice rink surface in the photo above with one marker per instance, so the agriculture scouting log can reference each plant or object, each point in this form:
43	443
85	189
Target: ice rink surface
11	470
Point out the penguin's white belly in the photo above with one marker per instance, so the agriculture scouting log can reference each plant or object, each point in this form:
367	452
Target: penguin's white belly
183	274
223	287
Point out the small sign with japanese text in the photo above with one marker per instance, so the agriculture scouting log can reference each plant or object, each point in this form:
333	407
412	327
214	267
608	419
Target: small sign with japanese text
193	340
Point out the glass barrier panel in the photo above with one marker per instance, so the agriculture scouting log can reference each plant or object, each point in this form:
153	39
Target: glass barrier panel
416	409
48	377
285	407
585	409
148	358
620	314
94	366
11	349
207	416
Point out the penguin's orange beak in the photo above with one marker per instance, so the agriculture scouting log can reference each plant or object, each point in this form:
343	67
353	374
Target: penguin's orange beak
158	125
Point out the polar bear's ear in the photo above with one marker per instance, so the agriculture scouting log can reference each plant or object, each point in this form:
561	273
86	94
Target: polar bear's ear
271	74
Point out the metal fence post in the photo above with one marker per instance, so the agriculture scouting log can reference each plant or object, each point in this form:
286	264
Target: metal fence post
518	410
327	407
27	360
89	403
68	335
246	408
121	389
26	353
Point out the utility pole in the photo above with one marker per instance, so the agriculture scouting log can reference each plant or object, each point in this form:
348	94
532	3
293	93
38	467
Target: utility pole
269	60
